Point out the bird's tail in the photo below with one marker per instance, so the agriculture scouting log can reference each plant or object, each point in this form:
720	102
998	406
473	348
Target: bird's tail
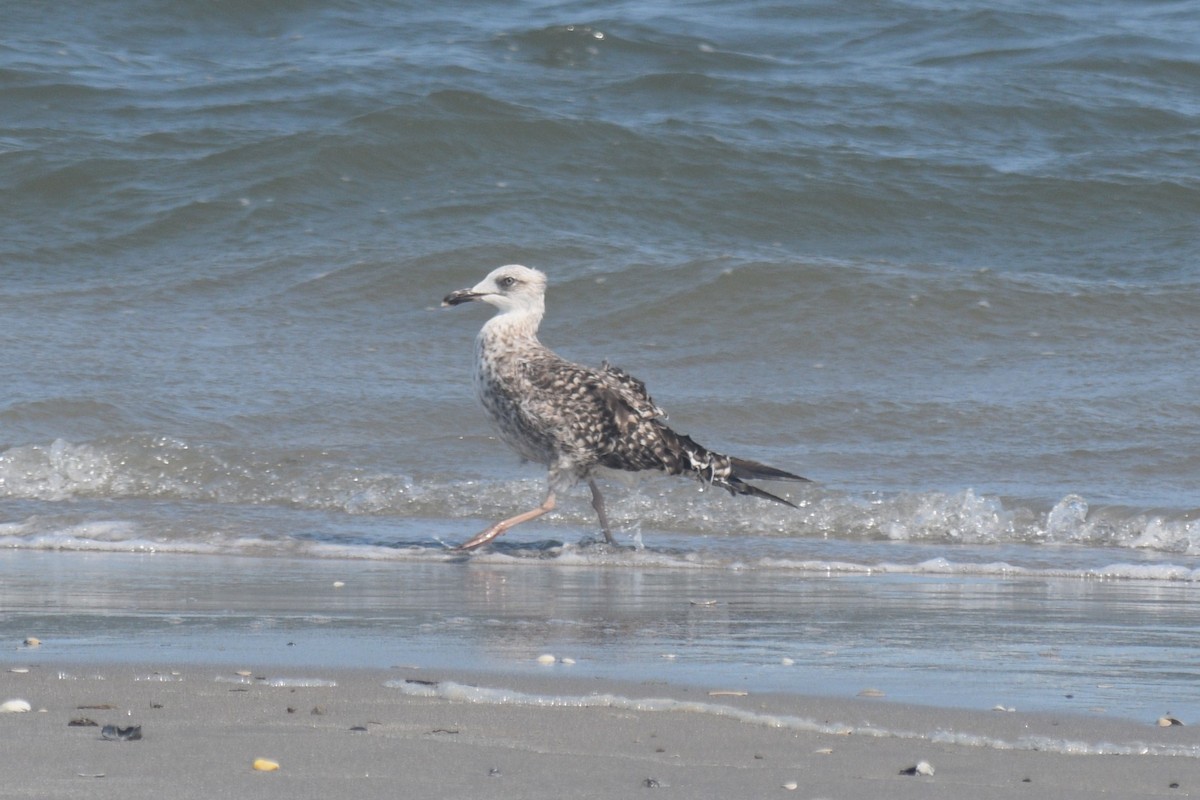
728	472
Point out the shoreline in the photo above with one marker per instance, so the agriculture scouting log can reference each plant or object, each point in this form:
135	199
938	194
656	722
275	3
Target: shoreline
450	733
1059	647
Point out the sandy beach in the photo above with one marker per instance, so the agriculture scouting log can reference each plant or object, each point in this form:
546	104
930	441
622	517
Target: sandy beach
382	680
426	733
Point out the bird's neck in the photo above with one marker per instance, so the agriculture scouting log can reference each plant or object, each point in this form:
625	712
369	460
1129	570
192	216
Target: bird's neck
513	326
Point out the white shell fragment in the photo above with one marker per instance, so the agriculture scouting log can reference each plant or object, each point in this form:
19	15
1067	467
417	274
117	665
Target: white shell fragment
1166	722
920	768
791	786
32	641
546	659
872	693
15	707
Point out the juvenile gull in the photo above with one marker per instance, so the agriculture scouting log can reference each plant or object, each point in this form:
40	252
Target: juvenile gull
575	419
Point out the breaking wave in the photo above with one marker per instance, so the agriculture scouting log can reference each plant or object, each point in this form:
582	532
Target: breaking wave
166	495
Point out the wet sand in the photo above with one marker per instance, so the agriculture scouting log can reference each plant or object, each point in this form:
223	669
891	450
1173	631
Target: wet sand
430	733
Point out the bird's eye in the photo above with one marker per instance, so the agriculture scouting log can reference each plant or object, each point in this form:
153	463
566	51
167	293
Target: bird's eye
507	282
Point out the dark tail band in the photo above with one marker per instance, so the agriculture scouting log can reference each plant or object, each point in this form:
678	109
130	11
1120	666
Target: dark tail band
752	470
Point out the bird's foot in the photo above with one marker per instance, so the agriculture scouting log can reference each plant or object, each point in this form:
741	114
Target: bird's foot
481	539
607	544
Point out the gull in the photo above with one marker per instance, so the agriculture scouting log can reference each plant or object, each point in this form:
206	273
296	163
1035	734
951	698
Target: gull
574	419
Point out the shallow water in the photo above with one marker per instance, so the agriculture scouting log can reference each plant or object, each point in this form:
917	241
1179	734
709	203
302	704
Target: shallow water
1110	649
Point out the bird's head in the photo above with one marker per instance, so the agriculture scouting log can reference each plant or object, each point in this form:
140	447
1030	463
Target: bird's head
511	288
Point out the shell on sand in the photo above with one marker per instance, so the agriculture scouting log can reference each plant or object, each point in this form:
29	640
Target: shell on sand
920	768
265	765
15	707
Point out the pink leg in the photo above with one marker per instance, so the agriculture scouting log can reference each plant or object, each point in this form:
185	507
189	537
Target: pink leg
598	504
502	526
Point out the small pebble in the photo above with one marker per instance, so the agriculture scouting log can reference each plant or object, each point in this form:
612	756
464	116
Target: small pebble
568	661
265	765
114	734
244	673
727	693
651	783
920	768
15	707
1166	722
19	670
1009	709
32	641
546	659
872	693
787	662
338	584
791	786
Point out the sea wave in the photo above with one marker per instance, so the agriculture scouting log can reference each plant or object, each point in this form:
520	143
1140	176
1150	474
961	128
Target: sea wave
134	476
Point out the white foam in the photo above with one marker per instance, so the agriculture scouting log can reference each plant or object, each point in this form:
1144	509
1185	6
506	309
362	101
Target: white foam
458	692
702	529
300	683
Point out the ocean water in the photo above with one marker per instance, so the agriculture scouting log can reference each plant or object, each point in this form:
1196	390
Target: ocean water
938	257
